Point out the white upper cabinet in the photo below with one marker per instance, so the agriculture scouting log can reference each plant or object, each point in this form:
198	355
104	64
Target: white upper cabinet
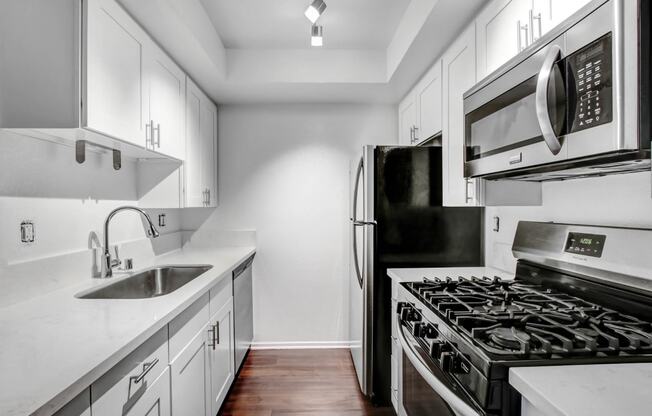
115	81
167	95
201	149
420	112
407	120
550	13
506	27
428	94
503	30
459	65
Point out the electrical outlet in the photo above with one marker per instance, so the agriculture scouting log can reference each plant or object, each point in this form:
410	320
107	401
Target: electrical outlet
161	220
27	234
496	224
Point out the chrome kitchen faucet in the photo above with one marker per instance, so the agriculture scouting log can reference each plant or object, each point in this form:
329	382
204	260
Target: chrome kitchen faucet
108	264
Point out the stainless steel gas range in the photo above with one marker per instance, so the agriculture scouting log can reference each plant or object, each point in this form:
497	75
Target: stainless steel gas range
580	295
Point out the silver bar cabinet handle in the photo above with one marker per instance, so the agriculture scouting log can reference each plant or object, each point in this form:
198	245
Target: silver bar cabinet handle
147	367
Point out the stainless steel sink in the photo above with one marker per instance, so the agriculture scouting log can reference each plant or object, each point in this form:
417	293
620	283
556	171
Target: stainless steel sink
149	283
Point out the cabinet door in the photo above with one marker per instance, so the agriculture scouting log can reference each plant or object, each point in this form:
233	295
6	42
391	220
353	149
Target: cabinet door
550	13
429	103
221	355
407	120
502	27
155	401
208	133
200	166
113	84
458	76
167	94
190	378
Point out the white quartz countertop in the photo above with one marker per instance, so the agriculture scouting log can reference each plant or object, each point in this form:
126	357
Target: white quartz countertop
54	346
586	390
412	275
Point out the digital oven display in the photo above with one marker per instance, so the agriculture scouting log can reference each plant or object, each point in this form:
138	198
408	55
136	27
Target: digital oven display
585	244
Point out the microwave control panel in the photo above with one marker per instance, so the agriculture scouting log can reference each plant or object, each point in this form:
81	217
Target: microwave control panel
591	72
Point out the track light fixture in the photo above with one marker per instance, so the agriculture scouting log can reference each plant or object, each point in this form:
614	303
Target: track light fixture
317	38
315	10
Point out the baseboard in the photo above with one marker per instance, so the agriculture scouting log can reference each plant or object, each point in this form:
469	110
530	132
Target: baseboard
300	345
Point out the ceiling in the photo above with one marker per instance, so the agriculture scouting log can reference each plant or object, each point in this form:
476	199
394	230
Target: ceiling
258	51
280	24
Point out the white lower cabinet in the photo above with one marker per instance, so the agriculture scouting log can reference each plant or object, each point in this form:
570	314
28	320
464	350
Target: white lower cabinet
202	353
221	355
156	400
185	369
190	378
139	385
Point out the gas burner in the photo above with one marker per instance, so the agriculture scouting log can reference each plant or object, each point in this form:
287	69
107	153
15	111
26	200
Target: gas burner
522	320
511	338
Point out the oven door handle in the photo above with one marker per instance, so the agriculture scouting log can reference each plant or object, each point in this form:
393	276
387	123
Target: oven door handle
541	99
452	399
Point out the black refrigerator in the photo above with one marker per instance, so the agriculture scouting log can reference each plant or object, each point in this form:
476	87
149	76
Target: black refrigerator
398	220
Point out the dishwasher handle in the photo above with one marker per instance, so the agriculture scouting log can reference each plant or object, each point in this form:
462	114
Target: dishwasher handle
243	266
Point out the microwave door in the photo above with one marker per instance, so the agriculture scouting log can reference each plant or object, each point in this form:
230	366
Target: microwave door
517	121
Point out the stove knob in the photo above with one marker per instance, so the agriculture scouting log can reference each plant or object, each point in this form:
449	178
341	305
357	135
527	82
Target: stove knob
446	361
429	331
400	306
435	349
416	329
412	315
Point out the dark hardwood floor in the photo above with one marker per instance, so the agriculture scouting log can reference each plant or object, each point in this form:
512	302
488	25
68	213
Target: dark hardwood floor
298	383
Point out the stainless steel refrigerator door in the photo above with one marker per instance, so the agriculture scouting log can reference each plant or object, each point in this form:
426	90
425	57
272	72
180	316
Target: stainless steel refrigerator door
361	269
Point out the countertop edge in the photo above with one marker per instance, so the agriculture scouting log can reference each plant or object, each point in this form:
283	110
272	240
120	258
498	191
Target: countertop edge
528	392
81	384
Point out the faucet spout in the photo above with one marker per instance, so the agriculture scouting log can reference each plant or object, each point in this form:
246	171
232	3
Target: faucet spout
150	230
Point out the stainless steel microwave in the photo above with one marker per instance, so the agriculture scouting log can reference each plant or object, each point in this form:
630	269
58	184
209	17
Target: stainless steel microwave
575	103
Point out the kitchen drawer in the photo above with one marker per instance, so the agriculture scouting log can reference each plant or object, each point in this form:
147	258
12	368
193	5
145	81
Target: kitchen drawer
185	327
122	387
221	293
155	401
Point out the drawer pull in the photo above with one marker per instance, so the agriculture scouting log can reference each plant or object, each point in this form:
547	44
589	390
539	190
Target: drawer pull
214	332
147	367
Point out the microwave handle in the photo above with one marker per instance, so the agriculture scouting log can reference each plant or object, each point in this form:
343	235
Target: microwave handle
541	99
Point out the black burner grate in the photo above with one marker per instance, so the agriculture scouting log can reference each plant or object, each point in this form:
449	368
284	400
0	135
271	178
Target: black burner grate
518	319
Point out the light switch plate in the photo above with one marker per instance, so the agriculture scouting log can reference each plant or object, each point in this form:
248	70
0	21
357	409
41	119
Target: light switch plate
27	233
161	220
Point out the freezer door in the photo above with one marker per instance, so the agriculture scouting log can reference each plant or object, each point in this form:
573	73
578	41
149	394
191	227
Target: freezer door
361	267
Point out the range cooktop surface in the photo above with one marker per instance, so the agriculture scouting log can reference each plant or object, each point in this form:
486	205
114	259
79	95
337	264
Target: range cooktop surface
513	320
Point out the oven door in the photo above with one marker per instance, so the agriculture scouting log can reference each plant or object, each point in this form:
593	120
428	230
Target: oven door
425	389
517	120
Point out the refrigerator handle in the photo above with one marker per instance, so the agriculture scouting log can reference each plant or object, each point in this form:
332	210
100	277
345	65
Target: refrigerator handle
358	272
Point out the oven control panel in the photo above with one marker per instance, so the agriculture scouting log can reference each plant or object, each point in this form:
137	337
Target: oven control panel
585	244
590	71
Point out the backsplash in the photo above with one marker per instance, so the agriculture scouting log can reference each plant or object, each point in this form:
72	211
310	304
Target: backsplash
618	200
64	200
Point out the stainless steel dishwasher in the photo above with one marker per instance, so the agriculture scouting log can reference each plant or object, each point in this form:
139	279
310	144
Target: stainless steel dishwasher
243	306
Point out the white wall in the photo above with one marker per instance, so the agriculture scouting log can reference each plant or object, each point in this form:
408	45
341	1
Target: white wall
40	181
284	171
619	200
